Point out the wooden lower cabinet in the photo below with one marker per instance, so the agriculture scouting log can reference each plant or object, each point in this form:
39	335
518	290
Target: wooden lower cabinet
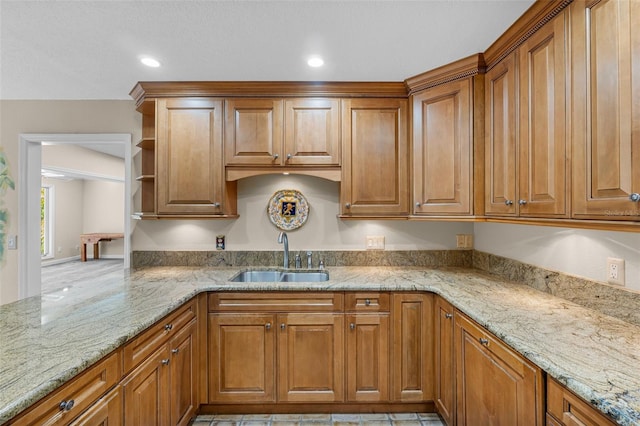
495	385
107	411
183	374
412	347
564	408
445	380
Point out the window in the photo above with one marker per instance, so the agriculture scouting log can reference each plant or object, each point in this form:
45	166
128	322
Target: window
46	221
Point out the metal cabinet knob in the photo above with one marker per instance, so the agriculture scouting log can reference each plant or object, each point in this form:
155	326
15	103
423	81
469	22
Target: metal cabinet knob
289	156
418	204
635	197
276	156
522	202
367	302
448	315
175	351
348	205
352	326
165	361
66	405
508	202
168	327
483	341
216	205
268	326
282	326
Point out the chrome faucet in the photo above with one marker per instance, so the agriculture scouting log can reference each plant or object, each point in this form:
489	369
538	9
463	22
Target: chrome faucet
283	239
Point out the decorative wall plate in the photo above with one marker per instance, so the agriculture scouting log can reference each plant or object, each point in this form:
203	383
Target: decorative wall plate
288	209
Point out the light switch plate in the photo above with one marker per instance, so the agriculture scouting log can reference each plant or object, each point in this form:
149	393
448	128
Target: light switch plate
12	242
375	242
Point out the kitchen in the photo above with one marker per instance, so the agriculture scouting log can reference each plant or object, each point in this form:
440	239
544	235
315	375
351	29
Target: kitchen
574	251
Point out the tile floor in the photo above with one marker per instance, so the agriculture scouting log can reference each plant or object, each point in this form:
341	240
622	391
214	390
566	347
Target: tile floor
382	419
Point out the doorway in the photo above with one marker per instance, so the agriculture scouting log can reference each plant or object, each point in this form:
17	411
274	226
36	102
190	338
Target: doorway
29	255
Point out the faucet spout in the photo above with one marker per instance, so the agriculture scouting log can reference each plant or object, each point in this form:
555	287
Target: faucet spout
283	239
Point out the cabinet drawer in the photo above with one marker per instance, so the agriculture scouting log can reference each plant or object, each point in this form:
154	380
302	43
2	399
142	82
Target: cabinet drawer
276	302
146	343
566	408
79	394
367	302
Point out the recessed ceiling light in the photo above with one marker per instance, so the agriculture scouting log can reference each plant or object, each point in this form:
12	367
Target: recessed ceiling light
150	62
315	62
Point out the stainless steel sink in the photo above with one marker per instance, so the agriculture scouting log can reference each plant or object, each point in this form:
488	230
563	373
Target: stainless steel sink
271	276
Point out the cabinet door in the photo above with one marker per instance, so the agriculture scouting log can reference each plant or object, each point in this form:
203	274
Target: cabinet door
242	357
184	371
494	384
500	138
544	154
107	411
311	357
442	141
253	132
190	170
566	408
375	178
412	350
312	132
367	357
606	113
146	391
445	385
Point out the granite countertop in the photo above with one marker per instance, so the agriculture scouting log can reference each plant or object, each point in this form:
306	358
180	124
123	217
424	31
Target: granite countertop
47	340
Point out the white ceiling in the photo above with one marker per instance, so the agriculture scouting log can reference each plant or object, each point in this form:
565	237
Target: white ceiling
90	49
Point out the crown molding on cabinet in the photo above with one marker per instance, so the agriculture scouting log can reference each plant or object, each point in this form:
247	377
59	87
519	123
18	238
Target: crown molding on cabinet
466	67
531	21
168	89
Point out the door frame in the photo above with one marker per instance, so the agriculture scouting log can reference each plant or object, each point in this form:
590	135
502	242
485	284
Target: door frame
30	164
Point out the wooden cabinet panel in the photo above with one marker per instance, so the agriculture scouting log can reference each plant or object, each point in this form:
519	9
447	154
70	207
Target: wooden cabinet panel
605	65
107	411
567	409
367	362
312	132
494	384
184	373
242	357
412	350
500	138
79	394
276	302
442	149
190	175
311	357
445	384
146	391
367	302
375	179
253	132
544	153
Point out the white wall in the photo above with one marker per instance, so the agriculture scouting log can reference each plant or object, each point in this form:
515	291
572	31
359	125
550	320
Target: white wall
577	252
322	231
68	211
103	207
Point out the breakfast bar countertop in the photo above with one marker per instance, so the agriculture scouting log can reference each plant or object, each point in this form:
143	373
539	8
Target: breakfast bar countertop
45	341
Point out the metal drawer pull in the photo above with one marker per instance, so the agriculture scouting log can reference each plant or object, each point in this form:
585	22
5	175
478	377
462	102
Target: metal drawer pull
282	326
66	405
635	197
168	327
522	202
508	202
268	326
276	156
352	326
367	302
484	341
165	361
175	351
448	315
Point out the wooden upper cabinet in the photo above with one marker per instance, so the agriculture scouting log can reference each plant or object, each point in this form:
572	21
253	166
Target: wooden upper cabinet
605	117
375	177
544	154
442	149
500	138
253	132
311	132
190	174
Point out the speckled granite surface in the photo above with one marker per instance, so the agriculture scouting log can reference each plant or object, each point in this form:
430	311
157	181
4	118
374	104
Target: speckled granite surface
46	342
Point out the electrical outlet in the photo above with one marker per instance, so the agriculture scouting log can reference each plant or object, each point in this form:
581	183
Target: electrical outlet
615	271
375	242
12	242
464	241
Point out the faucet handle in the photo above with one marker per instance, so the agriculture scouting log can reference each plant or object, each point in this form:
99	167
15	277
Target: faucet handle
298	261
309	261
321	264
